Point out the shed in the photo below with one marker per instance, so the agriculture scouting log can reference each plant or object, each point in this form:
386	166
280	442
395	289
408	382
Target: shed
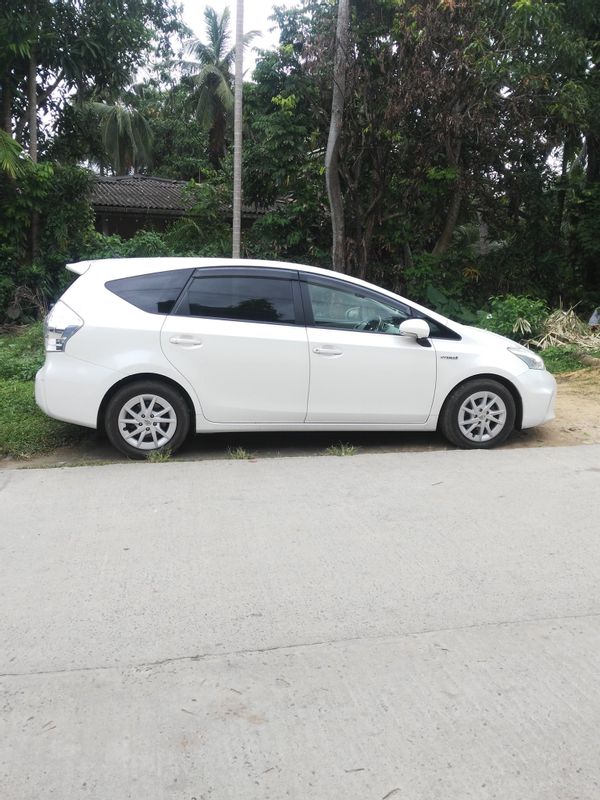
126	204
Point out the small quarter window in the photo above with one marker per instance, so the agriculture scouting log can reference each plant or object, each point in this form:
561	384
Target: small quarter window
156	292
248	299
437	330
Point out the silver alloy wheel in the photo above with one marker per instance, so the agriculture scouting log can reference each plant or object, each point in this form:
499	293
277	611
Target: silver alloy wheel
147	421
482	416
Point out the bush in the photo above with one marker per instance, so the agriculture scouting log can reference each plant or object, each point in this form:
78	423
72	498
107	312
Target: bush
45	217
144	244
564	358
514	316
25	430
22	354
449	307
206	229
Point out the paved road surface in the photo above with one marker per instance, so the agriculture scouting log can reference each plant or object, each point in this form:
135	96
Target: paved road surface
410	626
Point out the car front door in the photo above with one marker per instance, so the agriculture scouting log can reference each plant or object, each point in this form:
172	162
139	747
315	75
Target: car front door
238	336
362	370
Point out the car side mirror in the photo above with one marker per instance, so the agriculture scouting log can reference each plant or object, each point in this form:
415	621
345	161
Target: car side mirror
415	327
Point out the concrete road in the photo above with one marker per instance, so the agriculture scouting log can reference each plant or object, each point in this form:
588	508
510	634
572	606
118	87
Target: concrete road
414	626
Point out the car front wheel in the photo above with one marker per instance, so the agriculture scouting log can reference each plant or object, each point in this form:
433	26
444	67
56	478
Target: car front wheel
147	417
478	414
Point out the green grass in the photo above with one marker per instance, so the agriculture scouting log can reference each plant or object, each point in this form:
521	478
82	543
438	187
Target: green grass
238	453
341	449
564	359
158	456
22	353
24	430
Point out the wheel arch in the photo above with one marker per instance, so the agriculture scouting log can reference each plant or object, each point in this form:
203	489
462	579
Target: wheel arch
152	376
499	379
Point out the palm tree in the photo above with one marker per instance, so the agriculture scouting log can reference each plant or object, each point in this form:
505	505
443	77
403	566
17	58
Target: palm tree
126	136
210	71
12	162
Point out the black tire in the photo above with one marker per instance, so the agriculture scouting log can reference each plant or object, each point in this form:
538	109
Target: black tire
460	420
165	427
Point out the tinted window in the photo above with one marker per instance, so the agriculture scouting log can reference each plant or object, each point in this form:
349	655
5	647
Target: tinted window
354	310
242	298
156	292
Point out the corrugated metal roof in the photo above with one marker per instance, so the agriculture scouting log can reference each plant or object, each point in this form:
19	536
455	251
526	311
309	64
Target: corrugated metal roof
138	191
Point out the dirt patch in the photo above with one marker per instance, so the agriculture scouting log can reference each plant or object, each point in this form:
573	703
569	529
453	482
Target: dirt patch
577	422
577	411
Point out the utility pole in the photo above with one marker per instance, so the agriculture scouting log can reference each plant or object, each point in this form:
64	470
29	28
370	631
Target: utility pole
237	129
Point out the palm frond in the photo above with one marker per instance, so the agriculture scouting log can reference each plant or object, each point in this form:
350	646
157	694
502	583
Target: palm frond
11	156
213	92
224	93
126	135
247	40
200	52
204	110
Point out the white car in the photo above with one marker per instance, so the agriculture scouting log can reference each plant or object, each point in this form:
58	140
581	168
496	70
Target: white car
152	348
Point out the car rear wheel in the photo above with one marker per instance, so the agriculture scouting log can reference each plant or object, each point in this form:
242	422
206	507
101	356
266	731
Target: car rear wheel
479	414
147	417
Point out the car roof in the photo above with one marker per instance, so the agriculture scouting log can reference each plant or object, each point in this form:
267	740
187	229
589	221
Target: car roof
111	268
124	267
128	267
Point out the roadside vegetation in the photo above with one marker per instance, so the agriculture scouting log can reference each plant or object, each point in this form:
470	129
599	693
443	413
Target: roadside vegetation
159	457
238	453
24	429
341	449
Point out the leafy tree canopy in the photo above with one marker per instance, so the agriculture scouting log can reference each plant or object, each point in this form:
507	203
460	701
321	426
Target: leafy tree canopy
76	48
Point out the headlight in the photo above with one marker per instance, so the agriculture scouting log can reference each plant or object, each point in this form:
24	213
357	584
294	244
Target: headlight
60	324
528	357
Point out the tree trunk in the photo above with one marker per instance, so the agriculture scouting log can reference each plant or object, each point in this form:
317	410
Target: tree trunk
332	172
453	152
237	130
593	157
561	198
216	140
364	243
6	105
32	105
34	235
443	243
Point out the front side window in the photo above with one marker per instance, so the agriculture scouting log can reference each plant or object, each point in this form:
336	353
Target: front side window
354	310
156	292
244	298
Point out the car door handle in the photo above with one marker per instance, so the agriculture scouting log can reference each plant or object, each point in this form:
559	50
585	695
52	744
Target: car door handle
186	341
327	351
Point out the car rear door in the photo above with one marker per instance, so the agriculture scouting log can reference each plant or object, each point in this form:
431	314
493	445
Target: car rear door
238	336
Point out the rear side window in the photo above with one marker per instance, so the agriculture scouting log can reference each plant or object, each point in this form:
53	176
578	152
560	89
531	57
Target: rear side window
156	292
244	298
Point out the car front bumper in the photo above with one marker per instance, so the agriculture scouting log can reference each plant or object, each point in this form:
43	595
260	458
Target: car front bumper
538	393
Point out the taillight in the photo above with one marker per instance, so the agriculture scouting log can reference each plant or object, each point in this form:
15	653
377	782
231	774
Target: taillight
60	324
